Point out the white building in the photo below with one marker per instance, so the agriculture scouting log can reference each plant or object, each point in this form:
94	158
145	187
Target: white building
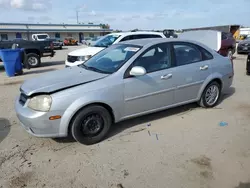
10	31
245	31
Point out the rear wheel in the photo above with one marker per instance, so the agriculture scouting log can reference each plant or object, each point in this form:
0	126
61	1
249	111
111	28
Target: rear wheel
91	125
211	95
33	60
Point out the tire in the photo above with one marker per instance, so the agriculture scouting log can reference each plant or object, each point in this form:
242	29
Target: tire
96	115
33	60
203	102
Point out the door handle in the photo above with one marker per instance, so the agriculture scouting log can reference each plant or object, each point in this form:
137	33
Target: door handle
165	77
205	67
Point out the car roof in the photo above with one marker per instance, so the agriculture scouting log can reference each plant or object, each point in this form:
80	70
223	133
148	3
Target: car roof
144	42
153	41
137	33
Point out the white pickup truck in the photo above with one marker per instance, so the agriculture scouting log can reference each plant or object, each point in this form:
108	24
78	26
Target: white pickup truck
40	37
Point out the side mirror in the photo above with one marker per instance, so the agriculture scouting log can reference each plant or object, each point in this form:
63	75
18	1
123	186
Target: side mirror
137	71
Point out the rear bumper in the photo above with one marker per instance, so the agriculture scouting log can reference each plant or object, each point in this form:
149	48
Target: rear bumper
227	81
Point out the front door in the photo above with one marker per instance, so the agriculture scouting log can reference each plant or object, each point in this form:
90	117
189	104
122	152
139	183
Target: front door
192	69
154	90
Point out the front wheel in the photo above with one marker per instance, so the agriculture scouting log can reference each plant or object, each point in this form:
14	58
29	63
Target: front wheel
211	95
91	125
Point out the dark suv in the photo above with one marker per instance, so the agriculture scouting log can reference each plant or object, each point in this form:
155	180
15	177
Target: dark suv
244	46
228	44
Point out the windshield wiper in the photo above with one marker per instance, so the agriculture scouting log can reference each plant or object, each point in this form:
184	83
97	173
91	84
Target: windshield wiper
102	46
98	70
83	66
93	69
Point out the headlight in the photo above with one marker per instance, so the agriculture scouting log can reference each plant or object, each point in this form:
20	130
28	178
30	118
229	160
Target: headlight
83	58
87	57
40	103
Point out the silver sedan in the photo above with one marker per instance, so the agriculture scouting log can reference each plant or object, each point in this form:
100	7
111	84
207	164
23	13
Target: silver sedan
126	80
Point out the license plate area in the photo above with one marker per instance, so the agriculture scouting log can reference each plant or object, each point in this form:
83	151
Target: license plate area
245	48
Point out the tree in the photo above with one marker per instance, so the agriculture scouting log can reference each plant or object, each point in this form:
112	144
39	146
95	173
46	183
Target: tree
104	26
134	30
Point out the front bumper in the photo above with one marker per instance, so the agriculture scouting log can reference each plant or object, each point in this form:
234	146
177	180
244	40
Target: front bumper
70	64
243	49
38	123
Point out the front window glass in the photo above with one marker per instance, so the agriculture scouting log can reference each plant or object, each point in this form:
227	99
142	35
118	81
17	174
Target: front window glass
42	36
106	41
111	59
156	58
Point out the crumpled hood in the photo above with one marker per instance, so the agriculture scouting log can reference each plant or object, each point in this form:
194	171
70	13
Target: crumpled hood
86	51
60	79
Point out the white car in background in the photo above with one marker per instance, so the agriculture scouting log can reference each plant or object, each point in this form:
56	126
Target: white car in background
79	56
40	37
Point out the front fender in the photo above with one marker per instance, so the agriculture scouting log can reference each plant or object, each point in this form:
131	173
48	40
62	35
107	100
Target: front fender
115	101
207	81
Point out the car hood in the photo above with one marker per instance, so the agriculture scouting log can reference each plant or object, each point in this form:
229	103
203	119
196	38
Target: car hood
60	79
86	51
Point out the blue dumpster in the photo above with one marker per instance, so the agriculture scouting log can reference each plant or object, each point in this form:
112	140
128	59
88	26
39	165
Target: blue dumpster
12	61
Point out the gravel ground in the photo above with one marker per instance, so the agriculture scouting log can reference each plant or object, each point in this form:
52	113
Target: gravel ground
190	150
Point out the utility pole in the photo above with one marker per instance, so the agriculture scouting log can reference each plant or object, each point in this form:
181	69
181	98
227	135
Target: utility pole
77	20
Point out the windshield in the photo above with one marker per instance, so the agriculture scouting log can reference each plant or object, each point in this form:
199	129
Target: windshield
111	59
106	41
42	36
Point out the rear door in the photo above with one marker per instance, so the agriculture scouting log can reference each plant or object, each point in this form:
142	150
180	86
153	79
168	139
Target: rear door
192	69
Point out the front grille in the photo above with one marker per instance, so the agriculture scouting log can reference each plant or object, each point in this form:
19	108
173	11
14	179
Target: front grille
23	98
71	59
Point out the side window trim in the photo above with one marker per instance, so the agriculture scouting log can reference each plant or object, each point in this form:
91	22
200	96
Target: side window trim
124	37
126	73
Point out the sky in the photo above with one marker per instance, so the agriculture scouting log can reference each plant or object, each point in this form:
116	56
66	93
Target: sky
129	14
